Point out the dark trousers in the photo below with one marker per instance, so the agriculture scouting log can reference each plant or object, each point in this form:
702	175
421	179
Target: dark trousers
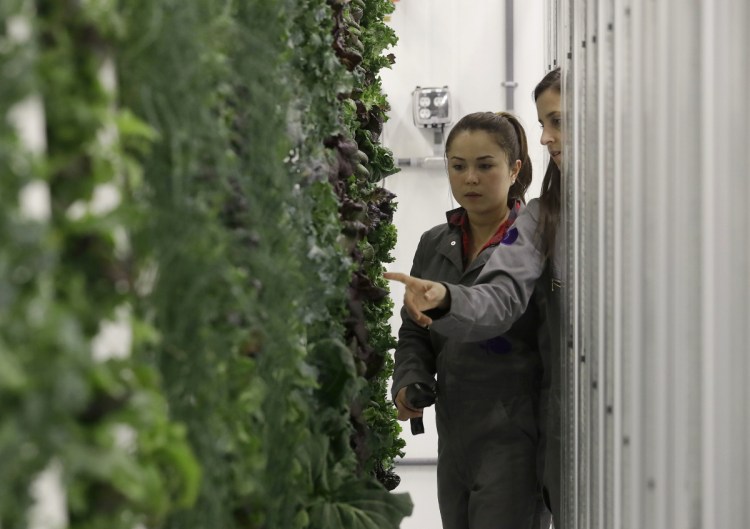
487	457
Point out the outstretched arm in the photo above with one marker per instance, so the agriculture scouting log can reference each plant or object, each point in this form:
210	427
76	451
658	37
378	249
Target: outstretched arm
497	299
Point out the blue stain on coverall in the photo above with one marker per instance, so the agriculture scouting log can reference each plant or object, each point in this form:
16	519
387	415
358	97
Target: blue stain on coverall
497	345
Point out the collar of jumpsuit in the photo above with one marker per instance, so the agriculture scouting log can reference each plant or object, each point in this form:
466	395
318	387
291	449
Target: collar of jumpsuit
458	217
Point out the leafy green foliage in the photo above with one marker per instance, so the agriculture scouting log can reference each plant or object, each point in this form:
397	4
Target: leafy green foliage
103	423
245	253
365	114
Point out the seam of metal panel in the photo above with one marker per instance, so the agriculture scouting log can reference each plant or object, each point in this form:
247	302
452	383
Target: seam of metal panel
617	400
708	324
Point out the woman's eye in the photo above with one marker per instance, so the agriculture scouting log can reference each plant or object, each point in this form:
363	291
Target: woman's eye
457	167
485	166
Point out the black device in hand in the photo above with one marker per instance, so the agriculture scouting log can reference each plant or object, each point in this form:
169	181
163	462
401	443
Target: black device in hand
419	396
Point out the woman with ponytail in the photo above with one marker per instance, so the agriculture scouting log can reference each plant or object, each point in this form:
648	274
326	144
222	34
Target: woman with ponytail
523	274
487	391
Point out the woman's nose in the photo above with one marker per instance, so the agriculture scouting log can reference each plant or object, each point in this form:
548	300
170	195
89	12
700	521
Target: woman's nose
545	138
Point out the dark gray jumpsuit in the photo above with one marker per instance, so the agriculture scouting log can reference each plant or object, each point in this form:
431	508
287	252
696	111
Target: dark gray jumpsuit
515	276
488	399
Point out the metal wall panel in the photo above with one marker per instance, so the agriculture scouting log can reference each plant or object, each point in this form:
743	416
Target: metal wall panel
657	188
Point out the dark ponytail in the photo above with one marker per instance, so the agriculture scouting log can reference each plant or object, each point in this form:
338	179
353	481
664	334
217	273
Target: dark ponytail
523	180
510	136
550	198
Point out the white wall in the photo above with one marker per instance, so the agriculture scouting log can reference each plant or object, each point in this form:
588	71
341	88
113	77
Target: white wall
461	44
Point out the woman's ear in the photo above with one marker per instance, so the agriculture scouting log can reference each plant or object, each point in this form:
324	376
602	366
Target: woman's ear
515	168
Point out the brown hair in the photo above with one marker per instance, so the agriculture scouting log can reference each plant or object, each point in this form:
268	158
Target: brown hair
550	198
510	136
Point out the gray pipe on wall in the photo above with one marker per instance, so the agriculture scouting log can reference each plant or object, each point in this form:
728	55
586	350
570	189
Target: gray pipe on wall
509	84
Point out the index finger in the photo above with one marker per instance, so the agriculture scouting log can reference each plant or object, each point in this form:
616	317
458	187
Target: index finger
396	276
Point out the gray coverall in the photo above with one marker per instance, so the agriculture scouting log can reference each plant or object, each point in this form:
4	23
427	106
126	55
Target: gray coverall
487	399
514	276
